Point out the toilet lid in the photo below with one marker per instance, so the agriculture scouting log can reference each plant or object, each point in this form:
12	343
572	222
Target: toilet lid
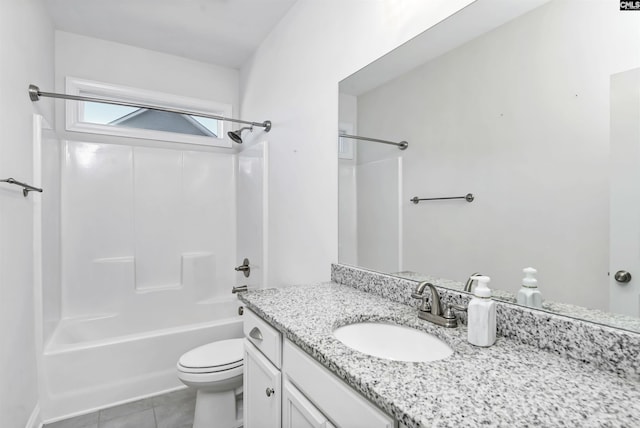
219	355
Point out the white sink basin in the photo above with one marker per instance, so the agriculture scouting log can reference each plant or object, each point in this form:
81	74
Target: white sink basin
393	342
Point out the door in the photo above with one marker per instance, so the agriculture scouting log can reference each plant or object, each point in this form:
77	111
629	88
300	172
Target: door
624	290
262	393
299	412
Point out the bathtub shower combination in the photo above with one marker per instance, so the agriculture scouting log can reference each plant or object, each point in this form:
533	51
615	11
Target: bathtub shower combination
92	362
146	267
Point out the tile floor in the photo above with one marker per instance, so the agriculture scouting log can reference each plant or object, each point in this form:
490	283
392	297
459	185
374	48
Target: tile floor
172	410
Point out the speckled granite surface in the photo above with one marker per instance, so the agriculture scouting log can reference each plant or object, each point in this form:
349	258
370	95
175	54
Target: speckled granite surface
600	346
573	311
508	385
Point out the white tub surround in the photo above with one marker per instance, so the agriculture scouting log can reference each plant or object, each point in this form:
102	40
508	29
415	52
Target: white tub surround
146	269
447	393
35	421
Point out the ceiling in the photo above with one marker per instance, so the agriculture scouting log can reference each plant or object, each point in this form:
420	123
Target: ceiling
222	32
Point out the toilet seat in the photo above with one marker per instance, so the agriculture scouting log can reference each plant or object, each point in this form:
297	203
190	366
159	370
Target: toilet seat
217	357
210	379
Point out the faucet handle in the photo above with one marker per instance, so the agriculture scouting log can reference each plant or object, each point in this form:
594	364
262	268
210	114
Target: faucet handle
458	307
244	268
449	314
424	306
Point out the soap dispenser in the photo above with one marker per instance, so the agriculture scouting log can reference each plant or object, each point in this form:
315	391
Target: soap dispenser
481	322
529	295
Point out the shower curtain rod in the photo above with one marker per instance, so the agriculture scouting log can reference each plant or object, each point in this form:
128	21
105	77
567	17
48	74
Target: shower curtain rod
35	93
402	145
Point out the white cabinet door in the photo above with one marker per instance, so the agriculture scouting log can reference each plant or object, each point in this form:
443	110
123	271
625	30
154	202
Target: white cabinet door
298	412
330	395
262	392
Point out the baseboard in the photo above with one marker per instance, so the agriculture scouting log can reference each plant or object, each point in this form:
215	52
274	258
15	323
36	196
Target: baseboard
35	421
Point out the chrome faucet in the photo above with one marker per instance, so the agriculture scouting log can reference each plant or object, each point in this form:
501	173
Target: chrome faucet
469	284
239	289
433	312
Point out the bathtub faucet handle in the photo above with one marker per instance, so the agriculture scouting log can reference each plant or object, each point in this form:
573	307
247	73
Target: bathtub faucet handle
239	289
244	268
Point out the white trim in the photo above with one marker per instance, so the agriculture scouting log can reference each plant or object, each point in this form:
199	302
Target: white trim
73	112
345	145
35	421
39	123
265	214
400	214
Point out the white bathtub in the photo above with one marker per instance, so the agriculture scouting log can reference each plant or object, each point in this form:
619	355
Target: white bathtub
92	363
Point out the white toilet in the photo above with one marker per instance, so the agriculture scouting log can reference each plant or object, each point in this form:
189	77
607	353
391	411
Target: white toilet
215	370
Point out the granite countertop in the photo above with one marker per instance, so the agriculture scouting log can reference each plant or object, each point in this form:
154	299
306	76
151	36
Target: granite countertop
508	384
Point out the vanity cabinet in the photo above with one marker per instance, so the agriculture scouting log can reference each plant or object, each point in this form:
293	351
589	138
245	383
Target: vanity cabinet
261	390
299	412
262	384
333	397
285	387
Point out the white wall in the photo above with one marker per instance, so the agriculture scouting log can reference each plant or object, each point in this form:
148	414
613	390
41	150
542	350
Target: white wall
26	53
292	80
522	121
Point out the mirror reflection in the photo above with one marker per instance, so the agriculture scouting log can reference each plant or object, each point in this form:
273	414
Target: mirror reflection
538	117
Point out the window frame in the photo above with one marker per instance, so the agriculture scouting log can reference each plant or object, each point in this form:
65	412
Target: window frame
89	88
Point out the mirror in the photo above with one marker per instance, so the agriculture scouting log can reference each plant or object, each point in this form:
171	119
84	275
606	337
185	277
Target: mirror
532	107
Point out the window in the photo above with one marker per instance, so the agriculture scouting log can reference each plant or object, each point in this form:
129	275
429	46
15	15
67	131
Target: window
107	119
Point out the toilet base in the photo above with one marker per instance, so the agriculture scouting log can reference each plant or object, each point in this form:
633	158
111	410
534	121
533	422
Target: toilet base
216	405
215	409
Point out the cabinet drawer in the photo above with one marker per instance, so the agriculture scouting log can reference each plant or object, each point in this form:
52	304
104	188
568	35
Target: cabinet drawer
329	394
266	338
